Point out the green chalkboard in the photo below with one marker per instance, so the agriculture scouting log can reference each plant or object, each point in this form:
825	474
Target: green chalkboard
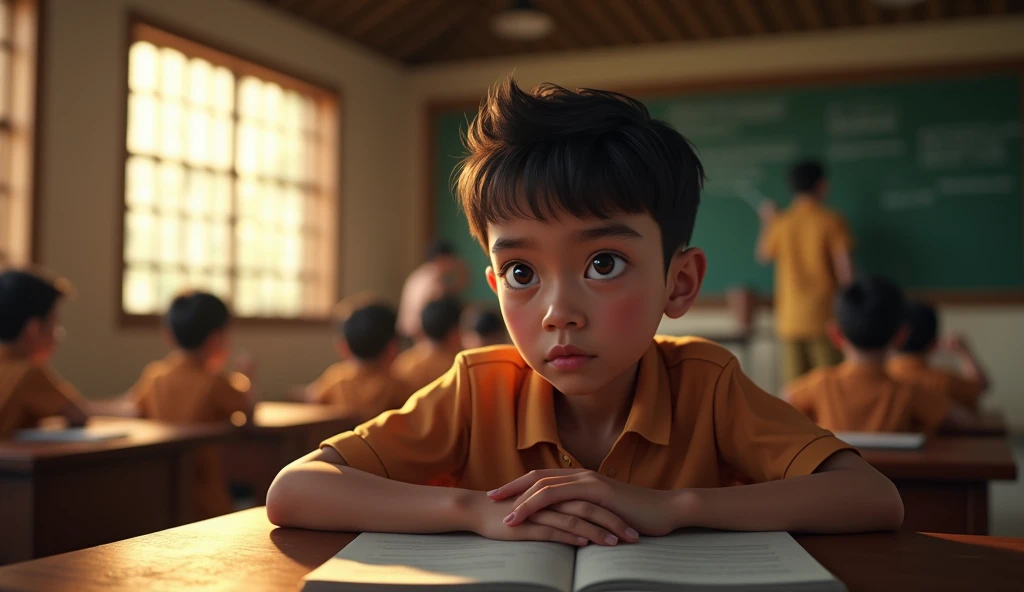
927	172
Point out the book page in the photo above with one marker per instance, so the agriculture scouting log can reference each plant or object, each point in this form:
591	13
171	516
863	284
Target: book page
85	434
884	440
702	559
446	560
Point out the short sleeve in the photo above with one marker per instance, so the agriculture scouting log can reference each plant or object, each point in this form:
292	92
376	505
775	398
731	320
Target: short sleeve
45	393
229	394
839	236
763	436
930	409
426	441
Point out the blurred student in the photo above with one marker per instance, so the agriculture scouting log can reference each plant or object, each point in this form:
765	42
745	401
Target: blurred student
442	273
858	394
483	327
190	386
432	356
911	365
30	332
362	383
810	245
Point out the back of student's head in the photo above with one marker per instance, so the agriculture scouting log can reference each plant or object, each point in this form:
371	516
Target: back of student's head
588	153
806	176
440	317
870	312
369	330
922	328
483	327
194	316
24	297
439	248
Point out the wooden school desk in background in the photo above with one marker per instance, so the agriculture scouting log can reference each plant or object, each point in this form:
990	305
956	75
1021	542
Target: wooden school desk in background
280	433
244	551
945	484
62	496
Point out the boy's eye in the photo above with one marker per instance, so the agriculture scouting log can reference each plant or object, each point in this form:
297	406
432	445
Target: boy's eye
605	266
520	276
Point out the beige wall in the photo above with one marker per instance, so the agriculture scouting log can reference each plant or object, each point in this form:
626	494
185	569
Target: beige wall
84	82
997	332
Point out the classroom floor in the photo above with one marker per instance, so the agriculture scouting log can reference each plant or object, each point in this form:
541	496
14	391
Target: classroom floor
1007	498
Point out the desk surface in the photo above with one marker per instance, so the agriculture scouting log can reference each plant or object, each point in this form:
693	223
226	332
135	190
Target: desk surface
143	436
279	415
247	552
948	459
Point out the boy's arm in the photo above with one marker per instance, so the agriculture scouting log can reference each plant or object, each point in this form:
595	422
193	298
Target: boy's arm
765	250
320	491
970	367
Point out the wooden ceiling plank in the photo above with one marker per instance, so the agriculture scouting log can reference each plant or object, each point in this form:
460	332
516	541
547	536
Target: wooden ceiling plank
663	21
809	12
417	21
748	13
598	17
626	12
348	10
691	20
870	12
936	10
567	25
997	7
373	19
780	14
841	10
721	19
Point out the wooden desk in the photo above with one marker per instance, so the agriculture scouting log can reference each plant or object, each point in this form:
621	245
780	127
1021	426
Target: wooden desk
945	485
244	551
60	497
991	424
280	433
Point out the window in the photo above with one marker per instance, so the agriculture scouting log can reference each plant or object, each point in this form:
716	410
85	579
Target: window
229	183
18	34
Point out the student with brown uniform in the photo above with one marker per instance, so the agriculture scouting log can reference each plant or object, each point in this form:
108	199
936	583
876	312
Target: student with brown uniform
433	355
30	332
810	246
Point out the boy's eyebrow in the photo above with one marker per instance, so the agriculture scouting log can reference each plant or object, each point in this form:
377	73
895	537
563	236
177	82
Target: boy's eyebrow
612	229
505	244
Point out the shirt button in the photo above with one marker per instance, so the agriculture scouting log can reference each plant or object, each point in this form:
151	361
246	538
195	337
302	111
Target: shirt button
568	462
611	472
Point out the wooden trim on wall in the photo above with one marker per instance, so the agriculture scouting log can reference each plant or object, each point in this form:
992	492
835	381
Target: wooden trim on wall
241	63
37	176
822	78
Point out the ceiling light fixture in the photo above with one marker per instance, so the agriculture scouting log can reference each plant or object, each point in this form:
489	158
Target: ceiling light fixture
523	22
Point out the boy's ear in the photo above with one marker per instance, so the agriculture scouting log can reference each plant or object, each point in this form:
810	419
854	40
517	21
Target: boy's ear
835	334
492	280
900	337
341	346
683	280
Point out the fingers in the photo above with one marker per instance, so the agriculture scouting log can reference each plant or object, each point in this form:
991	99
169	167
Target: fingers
550	495
545	482
527	481
531	531
598	516
574	525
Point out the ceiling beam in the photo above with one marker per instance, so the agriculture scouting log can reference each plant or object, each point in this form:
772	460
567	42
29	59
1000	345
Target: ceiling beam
780	14
626	13
810	14
749	14
377	16
870	12
665	23
721	19
690	19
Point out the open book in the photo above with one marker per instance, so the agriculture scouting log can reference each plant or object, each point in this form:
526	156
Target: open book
83	434
762	561
883	440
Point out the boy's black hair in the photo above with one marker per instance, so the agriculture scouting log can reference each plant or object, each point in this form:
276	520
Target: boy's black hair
440	317
588	153
923	325
369	329
194	316
24	296
870	312
805	175
438	248
487	323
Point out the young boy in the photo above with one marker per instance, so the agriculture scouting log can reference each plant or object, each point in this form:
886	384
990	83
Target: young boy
30	332
190	386
433	355
858	395
810	246
362	383
588	429
910	365
483	327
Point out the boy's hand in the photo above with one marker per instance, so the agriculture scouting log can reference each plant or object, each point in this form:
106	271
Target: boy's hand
954	343
646	510
767	210
576	523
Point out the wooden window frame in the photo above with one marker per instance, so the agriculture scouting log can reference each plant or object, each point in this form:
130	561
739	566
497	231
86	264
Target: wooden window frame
329	108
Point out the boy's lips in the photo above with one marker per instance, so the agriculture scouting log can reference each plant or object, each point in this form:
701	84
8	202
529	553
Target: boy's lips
568	357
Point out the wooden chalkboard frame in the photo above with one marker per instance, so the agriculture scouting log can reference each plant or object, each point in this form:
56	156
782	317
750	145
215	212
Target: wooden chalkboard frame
822	78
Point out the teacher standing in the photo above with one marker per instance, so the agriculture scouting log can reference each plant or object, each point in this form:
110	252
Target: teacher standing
810	246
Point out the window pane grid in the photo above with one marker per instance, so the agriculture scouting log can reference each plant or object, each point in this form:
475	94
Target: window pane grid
221	189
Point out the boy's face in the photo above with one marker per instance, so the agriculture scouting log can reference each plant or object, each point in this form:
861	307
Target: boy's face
582	298
42	336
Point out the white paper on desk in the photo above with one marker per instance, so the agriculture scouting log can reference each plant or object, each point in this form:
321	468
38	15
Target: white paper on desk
86	434
883	440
